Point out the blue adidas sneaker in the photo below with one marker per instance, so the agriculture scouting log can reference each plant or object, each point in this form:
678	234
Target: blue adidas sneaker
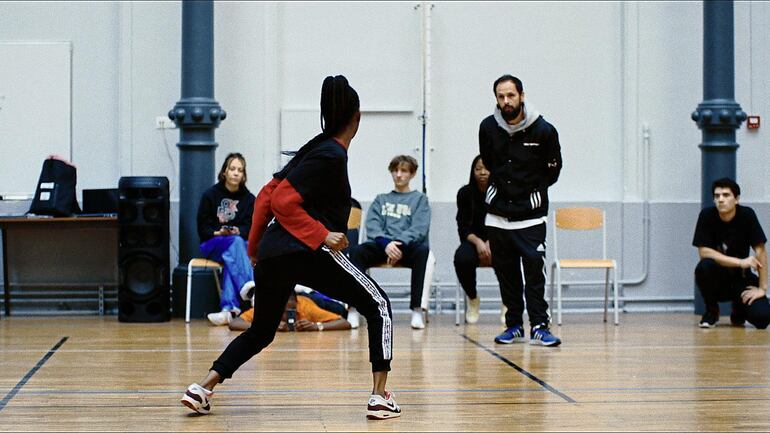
542	336
514	334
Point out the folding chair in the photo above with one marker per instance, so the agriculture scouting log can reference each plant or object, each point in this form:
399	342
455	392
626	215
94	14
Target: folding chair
582	219
216	269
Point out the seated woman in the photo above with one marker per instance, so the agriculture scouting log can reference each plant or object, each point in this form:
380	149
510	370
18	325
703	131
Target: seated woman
224	220
301	314
474	247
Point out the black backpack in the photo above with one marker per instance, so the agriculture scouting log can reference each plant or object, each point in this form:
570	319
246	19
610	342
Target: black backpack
55	192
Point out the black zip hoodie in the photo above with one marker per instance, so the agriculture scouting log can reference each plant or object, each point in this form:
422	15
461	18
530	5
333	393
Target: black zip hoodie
523	161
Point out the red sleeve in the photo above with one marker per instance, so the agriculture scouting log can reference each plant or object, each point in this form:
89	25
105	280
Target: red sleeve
261	216
287	208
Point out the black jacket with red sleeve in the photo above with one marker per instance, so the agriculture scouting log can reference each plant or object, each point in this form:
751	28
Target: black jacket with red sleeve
306	200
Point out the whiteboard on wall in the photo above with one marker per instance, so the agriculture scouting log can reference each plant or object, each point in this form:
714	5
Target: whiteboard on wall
35	110
383	134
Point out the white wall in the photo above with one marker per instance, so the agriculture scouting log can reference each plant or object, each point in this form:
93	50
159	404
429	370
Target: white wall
92	28
598	71
572	76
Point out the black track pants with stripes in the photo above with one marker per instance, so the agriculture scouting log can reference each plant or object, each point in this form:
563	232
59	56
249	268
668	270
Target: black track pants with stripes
328	272
518	257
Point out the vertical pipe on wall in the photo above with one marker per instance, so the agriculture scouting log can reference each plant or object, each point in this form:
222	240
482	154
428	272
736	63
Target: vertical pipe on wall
719	115
638	159
425	21
197	115
645	190
125	89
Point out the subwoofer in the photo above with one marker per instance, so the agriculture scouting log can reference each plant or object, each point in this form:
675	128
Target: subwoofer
144	290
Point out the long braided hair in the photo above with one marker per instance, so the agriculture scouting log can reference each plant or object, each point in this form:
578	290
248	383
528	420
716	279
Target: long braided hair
339	103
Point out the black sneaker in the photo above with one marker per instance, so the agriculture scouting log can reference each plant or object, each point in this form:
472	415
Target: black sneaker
709	320
737	317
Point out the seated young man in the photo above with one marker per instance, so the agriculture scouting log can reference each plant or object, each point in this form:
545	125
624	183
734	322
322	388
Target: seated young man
724	235
397	225
301	314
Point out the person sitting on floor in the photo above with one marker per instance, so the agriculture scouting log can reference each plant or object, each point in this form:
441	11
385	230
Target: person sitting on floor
302	314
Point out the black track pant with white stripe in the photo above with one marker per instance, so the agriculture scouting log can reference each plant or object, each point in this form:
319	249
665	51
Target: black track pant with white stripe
518	257
328	272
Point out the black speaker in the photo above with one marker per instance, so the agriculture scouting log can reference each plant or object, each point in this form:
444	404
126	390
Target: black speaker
144	290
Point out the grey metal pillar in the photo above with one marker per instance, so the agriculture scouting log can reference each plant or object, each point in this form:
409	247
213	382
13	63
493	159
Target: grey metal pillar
198	115
719	115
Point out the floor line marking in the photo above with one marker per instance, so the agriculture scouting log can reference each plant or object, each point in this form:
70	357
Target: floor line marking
30	373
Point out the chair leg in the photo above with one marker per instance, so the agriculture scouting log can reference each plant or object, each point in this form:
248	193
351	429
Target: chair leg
553	277
606	288
430	266
216	281
615	287
189	290
457	304
558	295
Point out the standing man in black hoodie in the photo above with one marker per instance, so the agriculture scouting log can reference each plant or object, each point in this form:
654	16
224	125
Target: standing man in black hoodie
522	153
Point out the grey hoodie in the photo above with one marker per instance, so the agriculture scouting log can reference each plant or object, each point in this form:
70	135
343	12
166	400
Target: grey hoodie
530	115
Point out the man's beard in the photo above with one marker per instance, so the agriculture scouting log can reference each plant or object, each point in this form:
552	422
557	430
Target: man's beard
508	116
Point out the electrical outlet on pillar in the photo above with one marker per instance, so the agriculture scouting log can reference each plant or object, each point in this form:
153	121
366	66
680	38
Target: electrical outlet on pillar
752	122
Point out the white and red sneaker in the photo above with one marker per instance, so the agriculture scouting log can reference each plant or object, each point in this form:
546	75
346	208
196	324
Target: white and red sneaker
197	399
382	407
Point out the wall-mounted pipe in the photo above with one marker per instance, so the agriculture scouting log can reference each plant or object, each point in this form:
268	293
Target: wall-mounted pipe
425	117
645	212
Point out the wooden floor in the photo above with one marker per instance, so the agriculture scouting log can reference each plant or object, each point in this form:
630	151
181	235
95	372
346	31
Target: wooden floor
653	372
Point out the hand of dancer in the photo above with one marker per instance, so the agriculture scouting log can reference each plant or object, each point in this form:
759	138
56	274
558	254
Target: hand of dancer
336	241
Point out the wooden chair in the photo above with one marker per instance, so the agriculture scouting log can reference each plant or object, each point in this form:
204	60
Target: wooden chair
216	269
354	224
582	219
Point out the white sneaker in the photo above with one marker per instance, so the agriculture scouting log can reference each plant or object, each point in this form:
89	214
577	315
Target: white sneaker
197	398
222	318
472	312
354	318
503	310
299	288
417	319
382	408
247	291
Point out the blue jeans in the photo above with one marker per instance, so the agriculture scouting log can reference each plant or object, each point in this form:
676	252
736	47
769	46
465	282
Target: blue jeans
231	252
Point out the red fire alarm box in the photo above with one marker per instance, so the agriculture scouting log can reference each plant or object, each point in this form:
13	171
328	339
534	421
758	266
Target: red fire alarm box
752	122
